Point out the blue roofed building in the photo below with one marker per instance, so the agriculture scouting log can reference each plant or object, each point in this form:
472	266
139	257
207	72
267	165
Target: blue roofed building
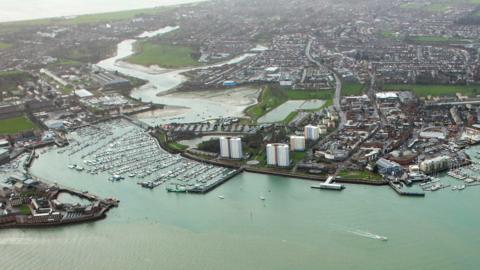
388	167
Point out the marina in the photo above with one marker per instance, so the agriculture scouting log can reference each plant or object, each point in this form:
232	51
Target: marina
119	150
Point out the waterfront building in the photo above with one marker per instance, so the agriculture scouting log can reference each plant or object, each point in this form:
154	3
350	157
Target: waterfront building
224	147
312	132
297	143
435	164
236	148
278	154
231	147
283	155
388	167
271	155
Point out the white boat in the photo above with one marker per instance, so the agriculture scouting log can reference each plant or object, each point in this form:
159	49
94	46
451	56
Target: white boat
221	197
436	187
454	188
262	198
382	238
369	235
116	177
462	187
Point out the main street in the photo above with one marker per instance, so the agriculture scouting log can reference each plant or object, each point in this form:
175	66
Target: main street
338	86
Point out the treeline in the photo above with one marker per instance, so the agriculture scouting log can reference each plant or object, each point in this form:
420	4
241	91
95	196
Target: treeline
250	141
212	145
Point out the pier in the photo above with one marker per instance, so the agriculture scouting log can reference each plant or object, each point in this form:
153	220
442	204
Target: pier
329	185
400	191
209	188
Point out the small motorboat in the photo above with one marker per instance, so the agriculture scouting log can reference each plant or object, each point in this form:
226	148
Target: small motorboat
382	238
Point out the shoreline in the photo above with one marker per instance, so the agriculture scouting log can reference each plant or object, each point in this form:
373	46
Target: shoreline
153	70
106	206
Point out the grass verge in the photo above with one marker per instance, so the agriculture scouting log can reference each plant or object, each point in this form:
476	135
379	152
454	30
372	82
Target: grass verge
15	125
272	97
361	175
163	55
435	90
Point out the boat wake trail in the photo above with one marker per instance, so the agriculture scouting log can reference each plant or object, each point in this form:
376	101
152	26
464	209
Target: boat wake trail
368	235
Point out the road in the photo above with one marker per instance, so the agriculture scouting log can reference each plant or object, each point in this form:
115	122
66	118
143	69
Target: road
338	87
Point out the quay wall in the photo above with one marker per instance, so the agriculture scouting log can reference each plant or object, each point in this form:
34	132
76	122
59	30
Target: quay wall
216	184
313	177
405	193
212	162
99	216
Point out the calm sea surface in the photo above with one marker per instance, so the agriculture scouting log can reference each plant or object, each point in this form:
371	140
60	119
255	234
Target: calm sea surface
296	227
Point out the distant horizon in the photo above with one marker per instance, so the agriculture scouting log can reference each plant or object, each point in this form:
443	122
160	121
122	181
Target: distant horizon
24	10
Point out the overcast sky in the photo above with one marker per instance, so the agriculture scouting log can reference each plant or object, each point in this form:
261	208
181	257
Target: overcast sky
15	10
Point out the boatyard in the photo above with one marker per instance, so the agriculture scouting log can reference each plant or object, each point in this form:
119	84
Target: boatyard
122	151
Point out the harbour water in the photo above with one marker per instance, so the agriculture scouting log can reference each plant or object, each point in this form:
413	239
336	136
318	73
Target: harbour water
161	80
295	227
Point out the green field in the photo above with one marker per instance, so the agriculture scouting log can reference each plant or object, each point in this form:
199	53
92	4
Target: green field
290	117
308	94
15	125
389	34
177	146
24	209
298	156
262	38
273	97
436	90
163	55
362	175
268	100
4	45
67	89
433	7
436	39
352	89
